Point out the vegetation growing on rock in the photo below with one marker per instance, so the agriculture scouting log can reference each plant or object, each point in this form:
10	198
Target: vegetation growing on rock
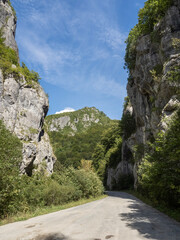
8	58
149	16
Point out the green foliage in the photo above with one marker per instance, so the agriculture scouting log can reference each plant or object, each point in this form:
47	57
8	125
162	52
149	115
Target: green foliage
159	172
155	36
33	130
84	182
80	120
176	43
71	146
173	75
128	124
138	152
130	56
69	150
10	158
173	78
108	151
149	15
29	75
8	57
21	193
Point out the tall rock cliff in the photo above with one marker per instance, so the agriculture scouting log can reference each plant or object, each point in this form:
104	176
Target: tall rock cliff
23	104
8	23
154	79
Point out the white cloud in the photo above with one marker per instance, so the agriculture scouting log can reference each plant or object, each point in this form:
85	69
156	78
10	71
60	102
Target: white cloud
67	109
113	37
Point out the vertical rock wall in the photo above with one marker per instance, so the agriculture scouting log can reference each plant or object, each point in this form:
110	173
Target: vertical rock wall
152	95
23	107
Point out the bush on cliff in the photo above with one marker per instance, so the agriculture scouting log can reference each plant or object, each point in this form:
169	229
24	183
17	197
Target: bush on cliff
8	56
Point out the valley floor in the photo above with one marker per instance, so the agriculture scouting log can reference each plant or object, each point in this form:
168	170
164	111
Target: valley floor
118	216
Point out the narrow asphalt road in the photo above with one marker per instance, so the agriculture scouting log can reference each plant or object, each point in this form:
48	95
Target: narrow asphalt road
120	216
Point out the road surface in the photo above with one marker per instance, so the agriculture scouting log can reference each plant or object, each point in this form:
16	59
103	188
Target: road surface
120	216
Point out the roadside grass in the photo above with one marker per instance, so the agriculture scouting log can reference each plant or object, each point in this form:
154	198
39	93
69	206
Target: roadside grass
45	210
171	212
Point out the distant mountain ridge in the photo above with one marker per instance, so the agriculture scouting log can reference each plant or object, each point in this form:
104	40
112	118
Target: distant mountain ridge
74	135
78	121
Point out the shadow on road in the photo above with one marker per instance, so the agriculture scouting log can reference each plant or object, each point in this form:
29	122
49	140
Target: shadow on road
150	223
54	236
123	195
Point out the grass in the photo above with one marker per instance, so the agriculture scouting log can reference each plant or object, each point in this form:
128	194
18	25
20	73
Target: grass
45	210
173	213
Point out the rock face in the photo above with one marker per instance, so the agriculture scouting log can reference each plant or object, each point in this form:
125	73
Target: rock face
8	24
23	107
152	94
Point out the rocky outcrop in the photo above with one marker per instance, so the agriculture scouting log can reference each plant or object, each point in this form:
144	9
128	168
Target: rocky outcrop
23	107
152	88
8	24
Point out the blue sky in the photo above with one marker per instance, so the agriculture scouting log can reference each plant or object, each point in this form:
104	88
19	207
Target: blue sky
78	48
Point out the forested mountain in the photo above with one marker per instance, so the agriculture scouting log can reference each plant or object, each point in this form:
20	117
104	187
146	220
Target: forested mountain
74	135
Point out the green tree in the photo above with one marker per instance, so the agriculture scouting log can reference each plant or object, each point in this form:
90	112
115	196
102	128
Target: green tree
10	158
159	172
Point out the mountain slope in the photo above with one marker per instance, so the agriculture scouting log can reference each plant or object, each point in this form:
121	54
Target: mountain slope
71	123
74	135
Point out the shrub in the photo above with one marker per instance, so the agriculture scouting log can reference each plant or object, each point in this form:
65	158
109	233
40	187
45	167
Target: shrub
8	57
10	158
128	124
55	194
159	172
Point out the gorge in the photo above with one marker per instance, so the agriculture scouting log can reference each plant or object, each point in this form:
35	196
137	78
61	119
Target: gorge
140	151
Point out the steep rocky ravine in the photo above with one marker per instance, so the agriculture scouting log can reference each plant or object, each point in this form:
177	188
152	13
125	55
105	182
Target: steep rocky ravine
23	106
152	95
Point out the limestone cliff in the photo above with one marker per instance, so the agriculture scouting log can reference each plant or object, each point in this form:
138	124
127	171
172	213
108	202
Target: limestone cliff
152	86
23	106
8	23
